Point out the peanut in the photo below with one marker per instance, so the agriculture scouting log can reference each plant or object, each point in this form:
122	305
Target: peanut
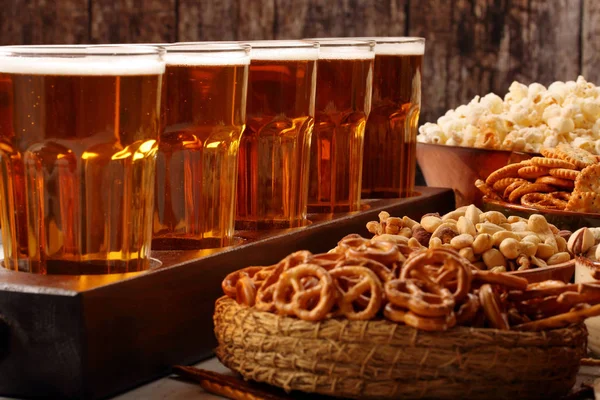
559	258
482	243
461	241
472	213
510	248
465	225
431	223
409	222
513	218
561	243
435	243
501	235
406	232
528	248
467	252
493	258
413	243
455	215
532	238
487	227
544	251
494	217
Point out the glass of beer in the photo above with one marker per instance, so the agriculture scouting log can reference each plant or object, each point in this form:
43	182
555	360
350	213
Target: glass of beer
197	161
343	101
389	160
275	147
79	128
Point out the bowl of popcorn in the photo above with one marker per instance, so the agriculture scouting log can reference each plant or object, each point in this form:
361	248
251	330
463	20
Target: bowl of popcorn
584	243
473	140
563	184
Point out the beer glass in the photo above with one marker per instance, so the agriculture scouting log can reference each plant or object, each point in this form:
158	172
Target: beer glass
343	101
204	116
79	127
275	146
389	159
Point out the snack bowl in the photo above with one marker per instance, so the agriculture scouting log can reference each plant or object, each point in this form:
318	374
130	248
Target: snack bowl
380	359
587	270
559	272
459	167
568	220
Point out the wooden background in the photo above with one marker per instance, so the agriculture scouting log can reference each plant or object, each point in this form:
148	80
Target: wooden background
473	46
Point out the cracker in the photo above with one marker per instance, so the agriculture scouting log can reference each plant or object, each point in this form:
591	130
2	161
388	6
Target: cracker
557	182
516	194
579	157
549	153
508	171
589	179
552	163
532	172
503	183
486	190
564	173
510	188
587	202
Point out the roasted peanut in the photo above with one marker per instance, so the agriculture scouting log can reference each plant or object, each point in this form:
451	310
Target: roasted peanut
519	226
431	223
544	251
461	241
409	222
413	243
506	226
455	215
467	252
493	258
488	227
528	248
523	234
513	218
482	243
551	241
421	234
445	232
523	262
538	224
386	237
538	262
532	238
472	213
510	248
465	225
553	229
406	232
494	217
374	228
561	243
501	235
435	243
558	258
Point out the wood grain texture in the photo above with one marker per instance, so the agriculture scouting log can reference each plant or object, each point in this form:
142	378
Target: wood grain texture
44	22
208	20
590	40
133	21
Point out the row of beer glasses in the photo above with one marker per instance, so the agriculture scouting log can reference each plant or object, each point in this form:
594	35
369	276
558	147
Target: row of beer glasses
103	148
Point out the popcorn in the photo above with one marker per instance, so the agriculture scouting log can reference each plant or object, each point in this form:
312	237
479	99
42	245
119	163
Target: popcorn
527	119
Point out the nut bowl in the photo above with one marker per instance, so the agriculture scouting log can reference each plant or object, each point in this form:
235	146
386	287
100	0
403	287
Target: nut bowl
559	272
459	167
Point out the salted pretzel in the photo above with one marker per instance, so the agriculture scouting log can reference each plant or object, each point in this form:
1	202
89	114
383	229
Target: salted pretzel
309	304
454	271
386	253
264	294
491	308
499	278
548	201
422	298
363	281
326	260
575	316
396	314
383	272
467	310
245	291
229	283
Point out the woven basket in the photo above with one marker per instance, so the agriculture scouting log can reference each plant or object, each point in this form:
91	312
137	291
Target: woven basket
383	360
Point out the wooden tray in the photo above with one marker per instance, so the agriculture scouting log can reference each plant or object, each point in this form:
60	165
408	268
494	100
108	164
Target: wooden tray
94	336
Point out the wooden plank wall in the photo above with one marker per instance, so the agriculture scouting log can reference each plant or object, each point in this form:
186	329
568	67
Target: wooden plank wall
473	46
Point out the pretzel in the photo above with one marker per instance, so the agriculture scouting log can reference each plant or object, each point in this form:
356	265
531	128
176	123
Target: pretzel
422	298
467	310
365	282
229	283
455	267
491	308
309	304
542	289
393	313
351	241
326	260
559	321
499	278
543	200
383	272
385	252
245	291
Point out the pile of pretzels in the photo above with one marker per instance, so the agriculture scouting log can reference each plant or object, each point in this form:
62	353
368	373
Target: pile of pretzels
428	289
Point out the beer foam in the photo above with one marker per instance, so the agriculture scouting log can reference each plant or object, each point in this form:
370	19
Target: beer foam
289	54
344	54
207	59
87	65
400	49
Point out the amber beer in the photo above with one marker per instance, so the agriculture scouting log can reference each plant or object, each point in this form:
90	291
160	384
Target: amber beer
391	131
197	160
78	137
343	101
275	146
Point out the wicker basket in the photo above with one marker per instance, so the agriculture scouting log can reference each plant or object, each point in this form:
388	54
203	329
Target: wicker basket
382	360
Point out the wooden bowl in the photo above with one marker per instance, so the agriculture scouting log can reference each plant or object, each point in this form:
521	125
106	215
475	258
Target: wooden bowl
559	272
587	270
459	167
568	220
